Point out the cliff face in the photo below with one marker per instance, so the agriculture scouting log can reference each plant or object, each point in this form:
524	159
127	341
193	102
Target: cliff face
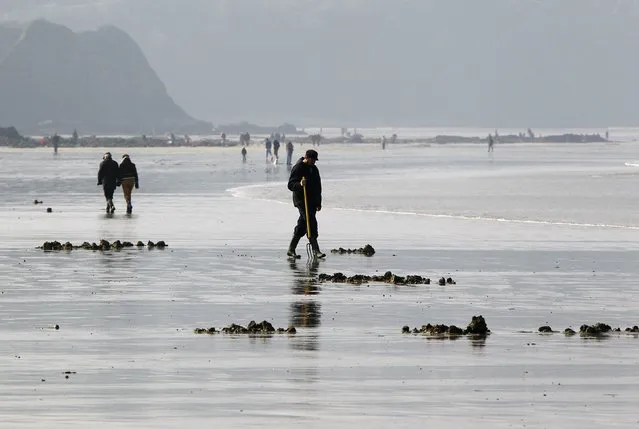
55	80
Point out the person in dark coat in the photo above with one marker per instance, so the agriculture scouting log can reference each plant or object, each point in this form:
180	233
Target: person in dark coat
267	145
305	174
276	150
129	179
289	153
109	178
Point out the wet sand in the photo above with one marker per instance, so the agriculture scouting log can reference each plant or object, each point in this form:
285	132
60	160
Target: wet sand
126	317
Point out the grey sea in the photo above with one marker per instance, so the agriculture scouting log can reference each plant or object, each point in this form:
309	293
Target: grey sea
533	235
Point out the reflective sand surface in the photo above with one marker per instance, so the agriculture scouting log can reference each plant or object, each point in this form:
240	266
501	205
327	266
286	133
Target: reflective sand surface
532	236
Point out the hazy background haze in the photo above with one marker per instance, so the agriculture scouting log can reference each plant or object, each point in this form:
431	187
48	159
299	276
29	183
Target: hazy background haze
502	63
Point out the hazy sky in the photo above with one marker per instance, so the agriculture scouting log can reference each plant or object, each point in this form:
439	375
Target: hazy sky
494	63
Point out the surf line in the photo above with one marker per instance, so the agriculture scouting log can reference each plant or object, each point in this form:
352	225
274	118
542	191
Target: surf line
492	219
237	193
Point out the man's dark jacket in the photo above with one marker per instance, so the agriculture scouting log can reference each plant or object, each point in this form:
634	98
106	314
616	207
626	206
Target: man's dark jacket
128	171
109	174
313	185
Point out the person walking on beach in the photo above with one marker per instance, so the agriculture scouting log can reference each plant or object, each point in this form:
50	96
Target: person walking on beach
276	150
491	143
305	174
267	145
109	178
128	179
56	142
244	155
289	153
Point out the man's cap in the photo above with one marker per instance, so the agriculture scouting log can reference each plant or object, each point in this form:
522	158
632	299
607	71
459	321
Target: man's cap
126	155
311	154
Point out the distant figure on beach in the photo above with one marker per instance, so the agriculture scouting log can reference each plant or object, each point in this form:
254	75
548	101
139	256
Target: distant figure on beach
244	155
289	153
491	143
383	142
276	150
128	179
305	174
267	145
223	139
109	178
56	142
245	139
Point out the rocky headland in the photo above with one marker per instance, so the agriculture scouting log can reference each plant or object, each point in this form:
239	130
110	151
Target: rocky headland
54	80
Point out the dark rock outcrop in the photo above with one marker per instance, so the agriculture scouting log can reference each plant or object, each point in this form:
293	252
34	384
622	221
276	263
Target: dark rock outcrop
477	327
262	328
595	330
104	245
388	277
367	250
100	82
51	245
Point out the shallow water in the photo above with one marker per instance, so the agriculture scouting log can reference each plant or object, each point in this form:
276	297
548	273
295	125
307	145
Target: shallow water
534	235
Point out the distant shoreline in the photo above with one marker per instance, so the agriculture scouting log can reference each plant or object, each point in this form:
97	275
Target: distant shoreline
196	141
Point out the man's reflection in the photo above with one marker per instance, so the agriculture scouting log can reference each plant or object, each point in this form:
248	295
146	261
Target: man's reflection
306	312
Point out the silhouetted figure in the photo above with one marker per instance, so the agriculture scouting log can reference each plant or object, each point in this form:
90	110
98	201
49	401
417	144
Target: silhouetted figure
276	150
245	139
267	146
289	153
491	143
109	178
306	175
128	179
244	155
56	142
383	142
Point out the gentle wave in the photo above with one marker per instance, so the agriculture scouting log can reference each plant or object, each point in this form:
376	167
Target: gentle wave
632	164
238	193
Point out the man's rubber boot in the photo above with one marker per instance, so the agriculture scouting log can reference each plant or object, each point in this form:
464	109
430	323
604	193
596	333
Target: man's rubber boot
292	246
129	208
316	250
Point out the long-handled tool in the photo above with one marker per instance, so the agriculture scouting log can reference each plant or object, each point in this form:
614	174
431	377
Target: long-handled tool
309	246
